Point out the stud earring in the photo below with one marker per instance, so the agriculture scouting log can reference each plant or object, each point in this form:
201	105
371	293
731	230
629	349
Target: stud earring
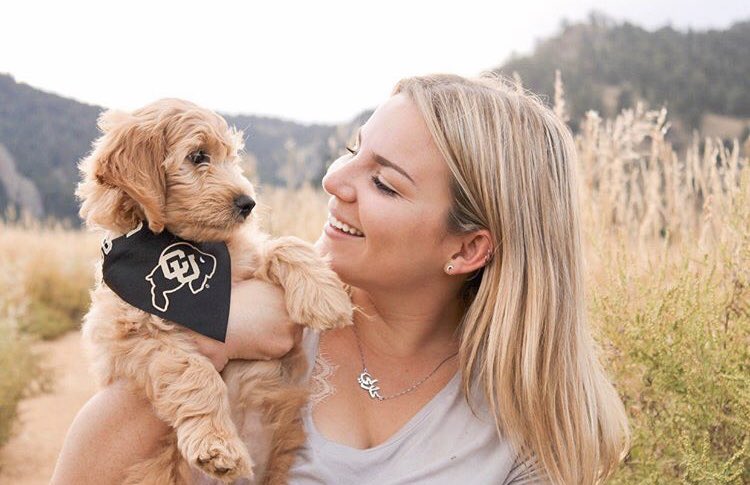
449	268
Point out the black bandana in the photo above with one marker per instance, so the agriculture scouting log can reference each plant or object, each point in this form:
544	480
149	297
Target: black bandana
182	281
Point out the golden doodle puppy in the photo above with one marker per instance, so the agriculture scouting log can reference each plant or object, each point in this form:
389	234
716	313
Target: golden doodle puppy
173	166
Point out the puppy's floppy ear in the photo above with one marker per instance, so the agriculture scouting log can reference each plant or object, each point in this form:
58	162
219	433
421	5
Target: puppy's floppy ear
133	150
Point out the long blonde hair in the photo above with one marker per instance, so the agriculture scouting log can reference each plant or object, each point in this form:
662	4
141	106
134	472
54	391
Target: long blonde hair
524	335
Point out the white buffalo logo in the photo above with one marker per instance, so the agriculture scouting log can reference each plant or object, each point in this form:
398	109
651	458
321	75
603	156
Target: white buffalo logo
179	264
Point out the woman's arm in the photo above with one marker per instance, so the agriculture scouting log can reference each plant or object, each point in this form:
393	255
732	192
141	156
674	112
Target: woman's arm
117	427
258	327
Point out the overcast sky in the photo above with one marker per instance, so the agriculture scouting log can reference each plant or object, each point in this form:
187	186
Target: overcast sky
303	60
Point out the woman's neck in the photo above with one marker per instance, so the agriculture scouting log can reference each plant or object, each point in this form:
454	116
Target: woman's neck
398	326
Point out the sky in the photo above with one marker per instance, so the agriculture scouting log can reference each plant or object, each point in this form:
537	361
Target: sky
308	61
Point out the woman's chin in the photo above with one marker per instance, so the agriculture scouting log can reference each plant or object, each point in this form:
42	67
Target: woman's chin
341	267
321	245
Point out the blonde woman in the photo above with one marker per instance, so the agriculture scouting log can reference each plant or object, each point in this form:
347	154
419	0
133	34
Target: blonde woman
454	220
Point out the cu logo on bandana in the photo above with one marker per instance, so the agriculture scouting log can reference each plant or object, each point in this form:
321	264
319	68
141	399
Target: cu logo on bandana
180	264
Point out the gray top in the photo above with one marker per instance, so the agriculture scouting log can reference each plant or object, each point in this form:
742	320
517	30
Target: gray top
444	443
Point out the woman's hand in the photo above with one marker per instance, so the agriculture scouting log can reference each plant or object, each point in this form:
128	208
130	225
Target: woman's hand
259	327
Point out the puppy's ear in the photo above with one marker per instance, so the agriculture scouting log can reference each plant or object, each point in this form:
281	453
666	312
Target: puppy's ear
111	118
132	151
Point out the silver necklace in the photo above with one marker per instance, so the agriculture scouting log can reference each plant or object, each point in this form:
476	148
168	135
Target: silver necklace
370	384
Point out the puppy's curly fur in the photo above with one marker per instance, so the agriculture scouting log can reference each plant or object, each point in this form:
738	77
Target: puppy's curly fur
143	168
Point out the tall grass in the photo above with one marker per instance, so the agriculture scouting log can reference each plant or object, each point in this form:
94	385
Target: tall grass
301	212
55	265
20	368
667	240
668	248
677	335
47	269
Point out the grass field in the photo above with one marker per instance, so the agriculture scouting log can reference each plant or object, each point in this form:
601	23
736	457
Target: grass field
668	255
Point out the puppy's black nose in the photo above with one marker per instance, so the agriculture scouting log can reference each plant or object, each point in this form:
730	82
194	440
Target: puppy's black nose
244	204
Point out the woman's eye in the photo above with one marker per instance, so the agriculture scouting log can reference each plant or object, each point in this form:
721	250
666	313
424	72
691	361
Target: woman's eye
351	150
382	187
199	157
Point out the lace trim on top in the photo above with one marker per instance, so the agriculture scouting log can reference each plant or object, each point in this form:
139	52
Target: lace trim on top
320	385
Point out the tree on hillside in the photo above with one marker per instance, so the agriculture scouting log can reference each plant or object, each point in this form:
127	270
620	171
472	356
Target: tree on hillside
606	66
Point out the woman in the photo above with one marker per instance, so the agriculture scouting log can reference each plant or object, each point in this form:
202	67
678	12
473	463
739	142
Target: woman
470	358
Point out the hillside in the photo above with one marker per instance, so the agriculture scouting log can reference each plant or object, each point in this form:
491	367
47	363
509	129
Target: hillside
702	77
43	135
607	65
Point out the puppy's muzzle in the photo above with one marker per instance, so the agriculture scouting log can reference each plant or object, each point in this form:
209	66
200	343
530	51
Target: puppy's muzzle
244	205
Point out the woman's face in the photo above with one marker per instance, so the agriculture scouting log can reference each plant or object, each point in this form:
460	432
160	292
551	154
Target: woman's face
394	189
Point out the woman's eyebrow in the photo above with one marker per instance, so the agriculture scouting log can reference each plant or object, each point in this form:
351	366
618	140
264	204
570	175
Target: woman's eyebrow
384	161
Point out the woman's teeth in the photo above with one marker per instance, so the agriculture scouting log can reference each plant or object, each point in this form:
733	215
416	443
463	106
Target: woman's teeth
344	227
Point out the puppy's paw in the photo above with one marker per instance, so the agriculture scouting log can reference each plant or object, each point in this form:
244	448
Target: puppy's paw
226	460
315	296
323	306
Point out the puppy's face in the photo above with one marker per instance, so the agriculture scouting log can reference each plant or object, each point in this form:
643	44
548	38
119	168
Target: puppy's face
172	163
207	196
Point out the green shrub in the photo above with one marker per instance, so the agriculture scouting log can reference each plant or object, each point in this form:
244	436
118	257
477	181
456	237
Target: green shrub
58	299
45	321
51	281
679	343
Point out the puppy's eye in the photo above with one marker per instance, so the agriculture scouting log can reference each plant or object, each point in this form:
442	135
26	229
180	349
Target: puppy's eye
199	157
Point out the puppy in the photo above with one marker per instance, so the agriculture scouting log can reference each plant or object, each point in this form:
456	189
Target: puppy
173	165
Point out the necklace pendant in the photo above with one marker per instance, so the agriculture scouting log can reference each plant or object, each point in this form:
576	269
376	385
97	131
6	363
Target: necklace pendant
369	384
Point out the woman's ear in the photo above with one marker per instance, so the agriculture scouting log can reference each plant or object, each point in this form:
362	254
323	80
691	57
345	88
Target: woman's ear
131	155
475	252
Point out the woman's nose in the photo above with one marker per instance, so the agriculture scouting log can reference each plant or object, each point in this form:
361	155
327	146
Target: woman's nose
338	180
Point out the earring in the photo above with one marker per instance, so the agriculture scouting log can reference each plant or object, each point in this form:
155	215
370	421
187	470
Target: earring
449	268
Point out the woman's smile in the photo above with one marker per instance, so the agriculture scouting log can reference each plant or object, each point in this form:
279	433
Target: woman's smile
336	229
344	227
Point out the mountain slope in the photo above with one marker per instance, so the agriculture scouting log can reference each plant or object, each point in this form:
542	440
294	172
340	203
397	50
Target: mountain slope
702	77
46	134
606	66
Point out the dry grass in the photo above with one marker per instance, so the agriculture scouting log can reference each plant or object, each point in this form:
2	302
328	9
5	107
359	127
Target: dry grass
676	334
47	271
668	251
20	368
54	266
300	212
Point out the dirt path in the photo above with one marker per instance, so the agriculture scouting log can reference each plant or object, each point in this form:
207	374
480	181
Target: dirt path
29	457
